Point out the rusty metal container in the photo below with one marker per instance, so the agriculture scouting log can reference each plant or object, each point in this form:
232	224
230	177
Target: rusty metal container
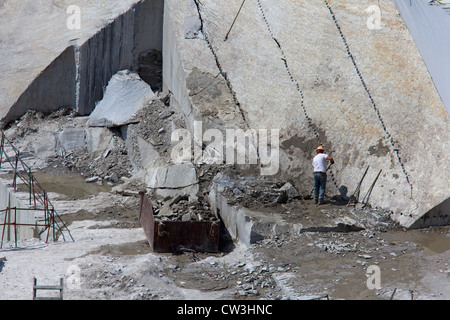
171	236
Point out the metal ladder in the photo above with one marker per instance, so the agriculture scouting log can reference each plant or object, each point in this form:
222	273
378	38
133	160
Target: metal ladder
60	288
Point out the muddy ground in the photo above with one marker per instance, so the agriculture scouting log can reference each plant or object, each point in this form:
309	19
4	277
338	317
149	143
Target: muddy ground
111	258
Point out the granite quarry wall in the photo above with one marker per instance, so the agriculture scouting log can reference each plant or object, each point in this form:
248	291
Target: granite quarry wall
365	94
117	47
429	40
80	62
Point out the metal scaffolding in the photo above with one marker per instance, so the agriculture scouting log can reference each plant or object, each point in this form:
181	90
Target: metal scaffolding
39	201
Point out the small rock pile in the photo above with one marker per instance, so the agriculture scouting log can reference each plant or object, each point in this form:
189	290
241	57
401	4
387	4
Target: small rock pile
182	208
114	279
251	192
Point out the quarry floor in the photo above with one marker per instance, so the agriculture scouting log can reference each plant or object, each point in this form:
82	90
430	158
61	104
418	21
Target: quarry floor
111	258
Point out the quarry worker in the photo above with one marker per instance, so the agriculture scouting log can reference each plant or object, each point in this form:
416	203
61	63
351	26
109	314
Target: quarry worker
320	174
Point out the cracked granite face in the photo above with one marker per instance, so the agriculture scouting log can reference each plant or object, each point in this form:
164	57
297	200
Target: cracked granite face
333	82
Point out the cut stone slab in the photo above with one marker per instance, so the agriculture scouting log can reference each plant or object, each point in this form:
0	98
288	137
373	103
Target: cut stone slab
43	145
190	191
171	177
125	95
148	153
172	180
142	154
70	139
9	197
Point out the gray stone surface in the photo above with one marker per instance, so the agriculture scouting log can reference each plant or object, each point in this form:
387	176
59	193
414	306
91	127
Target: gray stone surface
116	47
171	180
148	155
171	176
192	26
402	128
9	199
98	138
429	40
125	95
54	66
71	139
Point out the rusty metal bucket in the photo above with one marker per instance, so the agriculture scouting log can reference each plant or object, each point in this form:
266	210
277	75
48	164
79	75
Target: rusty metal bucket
171	236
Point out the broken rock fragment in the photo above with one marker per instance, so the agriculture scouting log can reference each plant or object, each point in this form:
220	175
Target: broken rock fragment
290	190
125	95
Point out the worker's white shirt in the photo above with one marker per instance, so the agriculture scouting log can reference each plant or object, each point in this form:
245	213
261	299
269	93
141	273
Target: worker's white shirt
320	162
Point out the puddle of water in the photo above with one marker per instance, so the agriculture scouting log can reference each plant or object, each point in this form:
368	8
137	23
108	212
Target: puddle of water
433	241
72	186
133	251
438	246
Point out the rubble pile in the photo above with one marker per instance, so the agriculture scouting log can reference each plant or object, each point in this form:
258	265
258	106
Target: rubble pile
253	192
110	165
182	208
256	279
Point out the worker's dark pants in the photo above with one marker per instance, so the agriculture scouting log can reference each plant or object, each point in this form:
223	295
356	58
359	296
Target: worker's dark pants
320	183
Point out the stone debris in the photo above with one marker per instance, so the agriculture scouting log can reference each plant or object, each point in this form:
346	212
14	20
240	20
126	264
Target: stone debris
249	191
182	208
92	179
290	191
138	148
